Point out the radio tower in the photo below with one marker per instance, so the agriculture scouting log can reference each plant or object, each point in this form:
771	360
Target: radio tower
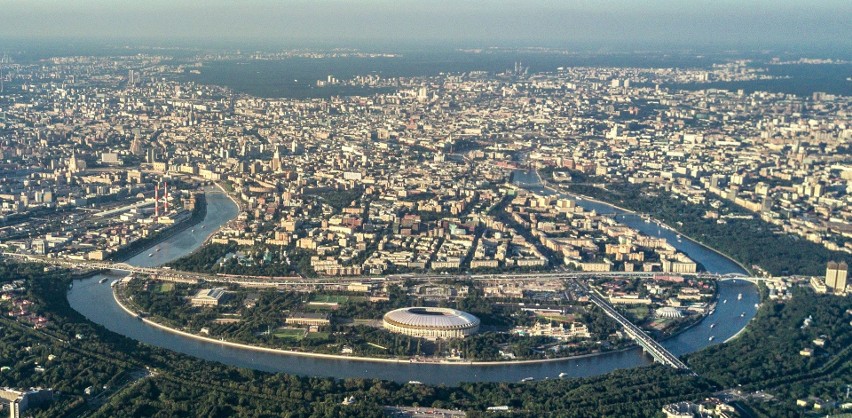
156	201
166	198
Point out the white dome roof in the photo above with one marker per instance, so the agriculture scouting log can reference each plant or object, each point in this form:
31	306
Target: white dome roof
668	312
431	318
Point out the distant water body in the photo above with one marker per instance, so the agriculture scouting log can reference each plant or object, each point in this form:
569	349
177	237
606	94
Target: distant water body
296	77
799	79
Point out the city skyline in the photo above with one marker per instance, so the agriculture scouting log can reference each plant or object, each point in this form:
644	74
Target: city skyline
346	208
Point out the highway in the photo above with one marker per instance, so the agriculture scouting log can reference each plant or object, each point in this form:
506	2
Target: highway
167	274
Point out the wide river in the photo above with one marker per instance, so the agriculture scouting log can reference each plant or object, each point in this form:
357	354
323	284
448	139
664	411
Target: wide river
96	302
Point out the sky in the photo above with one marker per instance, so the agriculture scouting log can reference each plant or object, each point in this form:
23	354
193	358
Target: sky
630	23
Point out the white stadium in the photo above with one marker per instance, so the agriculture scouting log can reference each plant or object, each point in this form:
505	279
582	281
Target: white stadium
431	323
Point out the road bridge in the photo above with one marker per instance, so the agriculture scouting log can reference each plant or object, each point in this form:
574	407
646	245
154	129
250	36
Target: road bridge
650	346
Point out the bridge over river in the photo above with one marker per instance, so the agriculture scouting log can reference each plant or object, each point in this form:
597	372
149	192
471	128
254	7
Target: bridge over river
647	343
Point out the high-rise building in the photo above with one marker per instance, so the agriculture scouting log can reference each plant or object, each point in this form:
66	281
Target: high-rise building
276	160
137	147
836	276
76	164
615	132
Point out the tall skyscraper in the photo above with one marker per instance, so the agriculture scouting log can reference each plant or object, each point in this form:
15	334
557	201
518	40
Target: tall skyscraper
137	147
836	276
276	160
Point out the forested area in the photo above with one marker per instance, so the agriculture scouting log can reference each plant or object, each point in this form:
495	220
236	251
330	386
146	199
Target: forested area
258	260
184	386
765	357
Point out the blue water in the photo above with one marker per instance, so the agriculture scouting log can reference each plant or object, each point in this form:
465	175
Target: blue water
96	302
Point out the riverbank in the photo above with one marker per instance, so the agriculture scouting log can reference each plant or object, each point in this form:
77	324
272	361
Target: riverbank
144	244
280	351
236	203
560	190
95	301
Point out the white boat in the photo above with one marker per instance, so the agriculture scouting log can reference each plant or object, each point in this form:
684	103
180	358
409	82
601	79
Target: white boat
101	281
158	249
527	379
712	325
756	306
712	311
150	254
711	338
193	230
742	315
725	301
563	374
740	296
202	226
415	382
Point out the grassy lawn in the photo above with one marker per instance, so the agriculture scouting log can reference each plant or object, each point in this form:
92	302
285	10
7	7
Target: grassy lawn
290	333
639	312
330	298
166	287
317	335
318	308
558	318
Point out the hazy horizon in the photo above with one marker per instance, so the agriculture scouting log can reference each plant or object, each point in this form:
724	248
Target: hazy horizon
608	24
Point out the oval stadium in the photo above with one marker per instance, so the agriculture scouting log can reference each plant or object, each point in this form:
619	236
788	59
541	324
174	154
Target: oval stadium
431	323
